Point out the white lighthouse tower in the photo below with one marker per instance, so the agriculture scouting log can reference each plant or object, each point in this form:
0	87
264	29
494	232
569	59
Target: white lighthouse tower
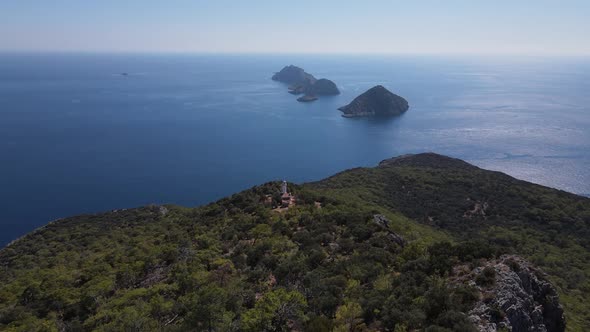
286	198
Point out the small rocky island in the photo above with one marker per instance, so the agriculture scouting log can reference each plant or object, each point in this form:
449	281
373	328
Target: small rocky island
304	83
377	101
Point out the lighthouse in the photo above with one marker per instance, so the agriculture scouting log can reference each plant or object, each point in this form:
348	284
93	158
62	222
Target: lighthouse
286	198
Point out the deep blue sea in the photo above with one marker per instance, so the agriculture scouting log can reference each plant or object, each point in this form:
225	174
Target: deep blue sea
77	137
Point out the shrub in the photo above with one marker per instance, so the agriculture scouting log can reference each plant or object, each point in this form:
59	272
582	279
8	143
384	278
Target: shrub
487	277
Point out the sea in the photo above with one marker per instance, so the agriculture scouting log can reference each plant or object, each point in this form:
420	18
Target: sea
84	133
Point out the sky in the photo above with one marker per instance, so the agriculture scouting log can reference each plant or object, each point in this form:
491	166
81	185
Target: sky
528	27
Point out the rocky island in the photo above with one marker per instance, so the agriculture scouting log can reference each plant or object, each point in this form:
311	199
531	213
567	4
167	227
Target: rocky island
377	101
307	98
301	82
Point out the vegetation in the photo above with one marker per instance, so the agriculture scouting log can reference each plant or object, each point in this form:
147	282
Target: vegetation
487	277
547	226
322	265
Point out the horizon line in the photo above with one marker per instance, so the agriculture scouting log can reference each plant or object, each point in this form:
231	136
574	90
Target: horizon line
210	53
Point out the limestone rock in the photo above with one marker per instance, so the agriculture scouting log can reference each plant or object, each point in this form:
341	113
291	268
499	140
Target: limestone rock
382	221
519	300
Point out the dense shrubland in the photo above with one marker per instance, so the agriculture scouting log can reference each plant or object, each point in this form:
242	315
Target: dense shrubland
324	265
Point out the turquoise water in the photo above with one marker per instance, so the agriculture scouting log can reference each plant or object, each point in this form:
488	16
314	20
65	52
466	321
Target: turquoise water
76	136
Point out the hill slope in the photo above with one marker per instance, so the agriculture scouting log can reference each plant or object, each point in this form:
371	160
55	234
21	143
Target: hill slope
367	249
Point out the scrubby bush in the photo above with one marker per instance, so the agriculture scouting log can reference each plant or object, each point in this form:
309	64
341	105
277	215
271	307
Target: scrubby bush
486	277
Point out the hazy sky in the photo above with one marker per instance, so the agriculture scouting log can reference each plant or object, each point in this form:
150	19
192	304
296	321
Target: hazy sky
536	27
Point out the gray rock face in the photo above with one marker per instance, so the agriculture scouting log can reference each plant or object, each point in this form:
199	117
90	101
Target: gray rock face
377	101
382	221
519	300
304	83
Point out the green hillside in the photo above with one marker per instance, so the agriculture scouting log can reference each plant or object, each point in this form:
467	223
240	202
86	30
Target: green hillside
328	263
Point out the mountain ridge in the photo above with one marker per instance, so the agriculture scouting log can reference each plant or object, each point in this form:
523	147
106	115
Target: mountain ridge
154	267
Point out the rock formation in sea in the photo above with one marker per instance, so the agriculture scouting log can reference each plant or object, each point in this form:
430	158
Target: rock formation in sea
293	75
307	98
377	101
301	82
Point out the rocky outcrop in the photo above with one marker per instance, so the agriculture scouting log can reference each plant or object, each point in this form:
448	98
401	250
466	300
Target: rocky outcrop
377	101
323	87
307	98
293	75
296	89
304	83
382	221
515	297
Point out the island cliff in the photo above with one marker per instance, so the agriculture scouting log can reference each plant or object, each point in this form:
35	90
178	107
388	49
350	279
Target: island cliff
301	82
377	101
417	243
293	75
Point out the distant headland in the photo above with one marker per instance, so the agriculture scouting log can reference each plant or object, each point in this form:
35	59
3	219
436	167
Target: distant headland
377	101
304	83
